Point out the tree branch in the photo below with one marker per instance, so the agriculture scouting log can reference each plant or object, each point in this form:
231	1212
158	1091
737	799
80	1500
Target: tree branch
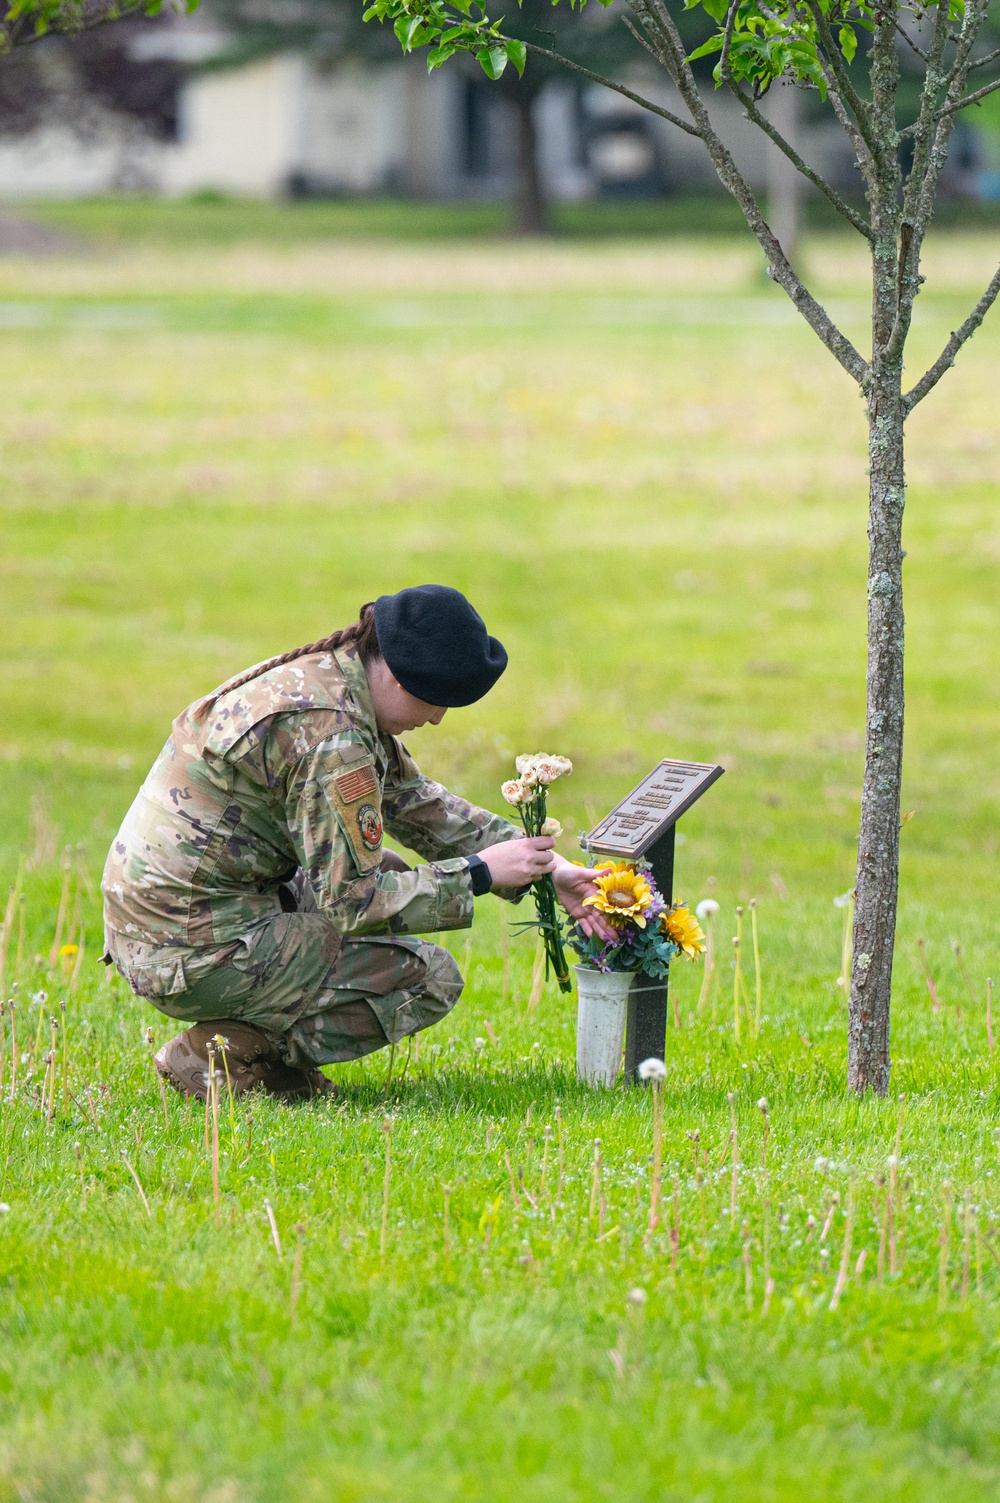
961	104
973	16
830	194
911	43
845	88
75	24
959	337
656	19
910	243
854	135
952	109
609	83
983	62
643	42
930	154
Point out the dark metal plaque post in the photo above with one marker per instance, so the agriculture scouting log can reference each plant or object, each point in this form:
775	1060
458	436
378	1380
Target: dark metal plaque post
645	825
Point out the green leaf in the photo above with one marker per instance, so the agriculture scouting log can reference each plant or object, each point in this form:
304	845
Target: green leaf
848	43
492	60
406	29
517	53
717	9
439	55
714	44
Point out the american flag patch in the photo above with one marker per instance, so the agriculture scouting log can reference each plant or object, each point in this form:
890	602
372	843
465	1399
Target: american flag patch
357	784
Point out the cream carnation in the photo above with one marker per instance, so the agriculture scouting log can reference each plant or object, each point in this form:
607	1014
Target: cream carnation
552	827
550	768
513	791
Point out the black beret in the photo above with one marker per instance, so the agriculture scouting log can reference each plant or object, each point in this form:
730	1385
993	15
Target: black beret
437	646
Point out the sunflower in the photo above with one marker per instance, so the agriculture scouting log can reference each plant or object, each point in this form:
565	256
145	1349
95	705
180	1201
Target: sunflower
623	895
679	925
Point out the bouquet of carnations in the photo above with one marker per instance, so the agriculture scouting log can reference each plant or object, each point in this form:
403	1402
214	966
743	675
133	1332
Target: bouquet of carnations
648	932
528	794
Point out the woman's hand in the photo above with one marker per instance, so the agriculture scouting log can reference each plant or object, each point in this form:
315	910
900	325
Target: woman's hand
573	884
512	863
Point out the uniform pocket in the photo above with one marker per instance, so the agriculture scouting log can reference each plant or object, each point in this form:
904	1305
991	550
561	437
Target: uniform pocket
150	970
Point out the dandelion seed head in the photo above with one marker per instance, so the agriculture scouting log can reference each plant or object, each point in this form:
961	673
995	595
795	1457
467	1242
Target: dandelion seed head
822	1165
637	1297
652	1069
706	908
762	1105
842	900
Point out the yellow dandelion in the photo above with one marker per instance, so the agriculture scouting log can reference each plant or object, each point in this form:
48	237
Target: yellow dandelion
623	894
684	929
69	950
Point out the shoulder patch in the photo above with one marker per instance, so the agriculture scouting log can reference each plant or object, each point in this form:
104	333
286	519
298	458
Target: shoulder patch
358	783
355	795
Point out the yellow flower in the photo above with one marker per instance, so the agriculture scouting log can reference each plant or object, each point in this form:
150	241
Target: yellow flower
623	895
685	931
69	949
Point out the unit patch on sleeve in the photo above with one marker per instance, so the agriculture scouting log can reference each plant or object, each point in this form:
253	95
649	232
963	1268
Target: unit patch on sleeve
354	793
370	825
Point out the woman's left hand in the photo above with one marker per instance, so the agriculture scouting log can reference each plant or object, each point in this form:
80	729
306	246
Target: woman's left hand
573	884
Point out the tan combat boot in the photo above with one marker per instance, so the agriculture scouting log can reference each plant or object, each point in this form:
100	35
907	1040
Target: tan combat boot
254	1063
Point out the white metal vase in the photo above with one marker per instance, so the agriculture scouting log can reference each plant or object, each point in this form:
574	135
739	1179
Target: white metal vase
602	1002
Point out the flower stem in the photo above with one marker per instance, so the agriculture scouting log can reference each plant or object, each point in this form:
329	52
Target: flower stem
533	818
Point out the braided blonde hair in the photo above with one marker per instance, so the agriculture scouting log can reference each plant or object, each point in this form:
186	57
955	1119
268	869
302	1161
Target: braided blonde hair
360	634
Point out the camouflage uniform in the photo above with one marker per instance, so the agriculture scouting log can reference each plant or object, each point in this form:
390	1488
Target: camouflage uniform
283	787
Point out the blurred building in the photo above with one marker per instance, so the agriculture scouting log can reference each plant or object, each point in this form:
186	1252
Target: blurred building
286	126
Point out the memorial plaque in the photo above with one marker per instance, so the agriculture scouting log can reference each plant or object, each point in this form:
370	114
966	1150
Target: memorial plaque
651	809
643	824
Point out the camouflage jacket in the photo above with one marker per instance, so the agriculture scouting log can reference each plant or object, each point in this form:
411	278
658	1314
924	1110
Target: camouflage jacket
289	771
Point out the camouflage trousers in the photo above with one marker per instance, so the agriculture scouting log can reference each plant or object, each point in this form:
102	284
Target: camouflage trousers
322	997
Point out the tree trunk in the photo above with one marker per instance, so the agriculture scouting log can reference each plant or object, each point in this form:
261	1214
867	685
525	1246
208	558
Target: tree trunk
531	214
878	848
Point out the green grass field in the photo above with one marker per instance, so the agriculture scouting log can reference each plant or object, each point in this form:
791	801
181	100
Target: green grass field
651	480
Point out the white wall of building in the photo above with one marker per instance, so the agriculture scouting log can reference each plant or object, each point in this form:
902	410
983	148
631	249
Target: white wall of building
353	129
58	163
282	123
239	130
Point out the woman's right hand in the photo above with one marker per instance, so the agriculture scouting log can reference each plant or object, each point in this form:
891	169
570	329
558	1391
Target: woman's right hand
512	863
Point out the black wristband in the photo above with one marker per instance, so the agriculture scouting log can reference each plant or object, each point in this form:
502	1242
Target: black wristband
480	876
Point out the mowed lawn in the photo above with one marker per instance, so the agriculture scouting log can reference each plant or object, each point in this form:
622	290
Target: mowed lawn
650	479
